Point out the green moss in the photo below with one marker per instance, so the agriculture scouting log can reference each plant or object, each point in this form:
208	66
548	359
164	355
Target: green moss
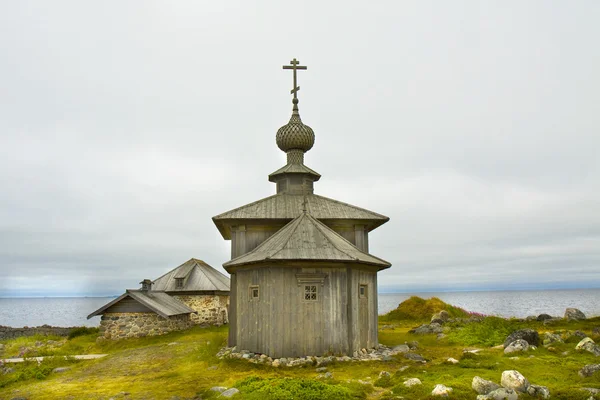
491	331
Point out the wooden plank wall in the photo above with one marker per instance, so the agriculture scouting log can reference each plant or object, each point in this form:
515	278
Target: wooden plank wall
127	305
281	323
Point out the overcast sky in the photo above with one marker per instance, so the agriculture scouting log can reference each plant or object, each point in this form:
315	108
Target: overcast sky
125	126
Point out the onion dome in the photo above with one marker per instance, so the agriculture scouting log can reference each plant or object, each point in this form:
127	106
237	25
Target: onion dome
295	135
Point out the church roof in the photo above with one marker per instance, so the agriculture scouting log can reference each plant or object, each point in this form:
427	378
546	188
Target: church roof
289	206
294	168
197	276
307	239
159	302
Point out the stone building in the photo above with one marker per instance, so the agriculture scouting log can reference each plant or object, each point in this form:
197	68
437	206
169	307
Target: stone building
302	280
192	294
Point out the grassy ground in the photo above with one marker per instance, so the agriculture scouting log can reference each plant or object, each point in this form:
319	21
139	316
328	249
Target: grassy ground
183	365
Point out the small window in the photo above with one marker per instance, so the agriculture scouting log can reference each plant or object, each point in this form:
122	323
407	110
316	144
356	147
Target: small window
362	291
254	293
179	283
310	292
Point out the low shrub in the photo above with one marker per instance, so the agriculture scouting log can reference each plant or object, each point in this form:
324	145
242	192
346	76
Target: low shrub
490	331
292	388
82	331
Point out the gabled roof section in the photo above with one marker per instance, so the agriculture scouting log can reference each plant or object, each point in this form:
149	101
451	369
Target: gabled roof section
307	239
159	302
295	168
289	206
197	276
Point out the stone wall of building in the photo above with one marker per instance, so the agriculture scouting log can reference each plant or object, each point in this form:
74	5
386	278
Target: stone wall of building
212	309
128	325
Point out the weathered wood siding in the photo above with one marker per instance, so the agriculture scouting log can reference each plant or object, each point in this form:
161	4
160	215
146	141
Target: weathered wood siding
281	323
128	305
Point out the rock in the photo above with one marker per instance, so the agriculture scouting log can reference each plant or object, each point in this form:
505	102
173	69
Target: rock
60	369
404	368
550	338
529	335
516	346
402	348
414	357
512	379
538	391
326	375
384	374
573	314
8	371
321	369
412	382
588	344
482	386
595	331
499	394
413	344
230	392
543	317
589	370
452	360
427	329
212	368
219	389
276	363
580	334
440	317
441	390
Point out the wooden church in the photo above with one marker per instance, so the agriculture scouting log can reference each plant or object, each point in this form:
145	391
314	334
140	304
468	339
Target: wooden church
302	279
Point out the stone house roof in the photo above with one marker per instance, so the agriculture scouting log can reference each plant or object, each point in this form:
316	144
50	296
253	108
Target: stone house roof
159	302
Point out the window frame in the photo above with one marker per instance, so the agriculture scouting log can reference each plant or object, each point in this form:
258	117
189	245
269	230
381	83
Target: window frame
251	290
316	292
179	283
363	294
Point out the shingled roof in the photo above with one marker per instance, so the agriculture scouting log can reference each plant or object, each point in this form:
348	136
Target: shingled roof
161	303
197	276
307	239
289	206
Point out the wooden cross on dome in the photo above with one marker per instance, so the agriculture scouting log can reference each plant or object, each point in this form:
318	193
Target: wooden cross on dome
294	66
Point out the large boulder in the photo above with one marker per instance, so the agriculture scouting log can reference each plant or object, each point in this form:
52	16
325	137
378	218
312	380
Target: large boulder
440	317
588	344
529	335
427	329
589	370
516	346
499	394
482	386
573	314
543	317
412	382
512	379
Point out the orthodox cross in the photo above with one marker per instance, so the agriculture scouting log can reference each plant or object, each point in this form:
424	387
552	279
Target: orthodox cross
294	67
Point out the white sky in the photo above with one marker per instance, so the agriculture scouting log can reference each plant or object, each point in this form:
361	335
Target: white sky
125	126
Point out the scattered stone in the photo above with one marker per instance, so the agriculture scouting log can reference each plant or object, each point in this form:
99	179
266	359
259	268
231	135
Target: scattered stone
427	329
173	344
516	346
414	357
276	363
60	369
529	335
402	348
452	360
413	344
580	334
404	368
384	374
573	314
230	392
7	371
212	368
441	390
326	375
543	317
589	370
588	344
499	394
595	331
538	391
219	389
550	338
482	386
512	379
321	369
412	382
440	317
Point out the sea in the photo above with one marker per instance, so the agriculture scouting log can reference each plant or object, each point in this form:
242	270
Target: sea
72	311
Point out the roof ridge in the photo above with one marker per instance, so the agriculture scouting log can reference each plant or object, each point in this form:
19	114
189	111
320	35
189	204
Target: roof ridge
206	275
298	218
